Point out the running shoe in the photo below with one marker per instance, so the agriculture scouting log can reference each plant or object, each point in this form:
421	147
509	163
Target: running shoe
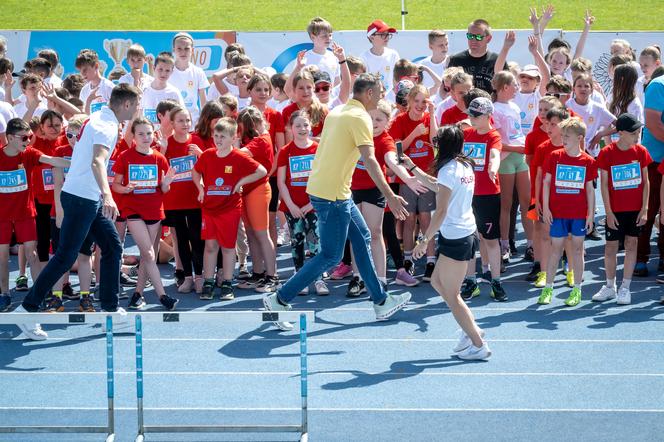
624	296
304	291
341	271
604	294
409	266
473	353
68	292
137	302
534	272
391	305
226	291
207	293
31	331
5	302
179	277
545	297
22	283
405	278
252	282
54	305
168	302
268	284
321	288
127	281
469	289
540	282
428	271
574	298
497	291
464	341
355	287
271	304
243	273
86	305
529	255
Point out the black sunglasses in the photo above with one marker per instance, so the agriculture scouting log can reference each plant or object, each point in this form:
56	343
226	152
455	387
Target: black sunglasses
478	37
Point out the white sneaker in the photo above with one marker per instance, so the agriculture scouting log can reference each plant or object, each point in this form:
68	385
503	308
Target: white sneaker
464	341
272	305
604	294
31	331
393	303
122	320
624	296
321	288
473	353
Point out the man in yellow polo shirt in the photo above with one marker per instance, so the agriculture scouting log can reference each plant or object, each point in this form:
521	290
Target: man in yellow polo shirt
346	136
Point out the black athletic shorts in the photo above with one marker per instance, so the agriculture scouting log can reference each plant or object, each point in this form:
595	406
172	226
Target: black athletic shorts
148	222
626	226
486	209
371	196
461	249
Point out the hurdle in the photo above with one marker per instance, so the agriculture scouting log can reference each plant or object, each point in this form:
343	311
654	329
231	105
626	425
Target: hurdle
228	316
72	319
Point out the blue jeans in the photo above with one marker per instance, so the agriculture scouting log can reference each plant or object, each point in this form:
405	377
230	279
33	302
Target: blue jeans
82	217
336	221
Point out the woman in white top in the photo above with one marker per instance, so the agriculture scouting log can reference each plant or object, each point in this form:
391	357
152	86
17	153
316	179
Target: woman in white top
458	241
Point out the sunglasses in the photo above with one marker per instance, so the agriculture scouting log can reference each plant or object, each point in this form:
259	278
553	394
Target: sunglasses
71	135
323	88
478	37
24	138
556	94
447	89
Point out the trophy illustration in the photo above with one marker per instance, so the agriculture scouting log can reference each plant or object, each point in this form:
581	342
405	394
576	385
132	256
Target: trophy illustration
117	50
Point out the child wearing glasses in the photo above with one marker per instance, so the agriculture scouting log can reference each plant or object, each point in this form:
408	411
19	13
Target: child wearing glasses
380	59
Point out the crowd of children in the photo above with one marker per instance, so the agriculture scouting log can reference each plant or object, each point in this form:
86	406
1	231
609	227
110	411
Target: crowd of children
216	169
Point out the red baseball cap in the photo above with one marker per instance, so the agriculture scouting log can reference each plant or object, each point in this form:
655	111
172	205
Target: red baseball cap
379	26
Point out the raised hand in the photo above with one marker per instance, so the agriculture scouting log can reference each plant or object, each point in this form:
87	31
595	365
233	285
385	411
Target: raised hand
338	52
588	19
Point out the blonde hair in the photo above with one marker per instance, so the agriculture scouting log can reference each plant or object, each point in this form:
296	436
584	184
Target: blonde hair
560	50
582	65
574	125
230	101
318	25
551	100
77	120
499	81
451	72
226	125
461	78
415	90
653	51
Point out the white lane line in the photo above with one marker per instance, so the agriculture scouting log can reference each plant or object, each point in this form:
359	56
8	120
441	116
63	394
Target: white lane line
373	410
295	341
334	372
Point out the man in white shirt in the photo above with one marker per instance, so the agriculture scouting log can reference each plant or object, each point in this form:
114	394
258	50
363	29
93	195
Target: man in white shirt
89	209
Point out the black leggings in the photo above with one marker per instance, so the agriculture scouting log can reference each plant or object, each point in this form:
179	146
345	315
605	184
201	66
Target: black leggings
390	237
43	221
190	245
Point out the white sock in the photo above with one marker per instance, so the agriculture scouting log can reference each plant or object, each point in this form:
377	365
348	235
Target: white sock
626	283
431	259
611	283
382	279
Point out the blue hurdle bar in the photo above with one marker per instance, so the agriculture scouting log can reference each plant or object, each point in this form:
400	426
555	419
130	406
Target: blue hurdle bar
242	316
73	318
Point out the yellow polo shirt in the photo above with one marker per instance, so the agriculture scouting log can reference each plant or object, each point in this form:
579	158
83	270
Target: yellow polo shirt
346	128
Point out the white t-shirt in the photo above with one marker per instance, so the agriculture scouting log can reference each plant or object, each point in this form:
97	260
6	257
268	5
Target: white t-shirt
595	116
383	65
146	80
6	113
635	108
459	220
101	128
21	108
189	82
447	103
278	105
438	68
152	97
213	93
53	80
528	109
507	120
242	103
105	88
326	63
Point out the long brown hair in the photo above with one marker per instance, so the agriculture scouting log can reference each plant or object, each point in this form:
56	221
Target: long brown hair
316	109
211	111
624	81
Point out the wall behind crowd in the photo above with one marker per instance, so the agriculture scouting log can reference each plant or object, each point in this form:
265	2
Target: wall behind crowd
278	50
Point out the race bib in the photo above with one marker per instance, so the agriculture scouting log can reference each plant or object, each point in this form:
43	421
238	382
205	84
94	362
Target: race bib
300	166
13	181
360	165
151	114
477	152
47	179
183	167
143	177
110	174
94	107
570	179
219	188
626	176
418	150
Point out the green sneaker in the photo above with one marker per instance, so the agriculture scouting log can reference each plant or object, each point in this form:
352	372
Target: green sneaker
574	297
545	297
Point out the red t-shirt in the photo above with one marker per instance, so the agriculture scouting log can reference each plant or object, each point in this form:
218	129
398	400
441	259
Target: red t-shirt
42	175
16	197
220	175
62	152
538	123
534	138
315	130
383	144
452	116
146	172
262	150
275	124
120	147
298	168
183	194
203	143
624	169
420	150
542	152
569	175
478	147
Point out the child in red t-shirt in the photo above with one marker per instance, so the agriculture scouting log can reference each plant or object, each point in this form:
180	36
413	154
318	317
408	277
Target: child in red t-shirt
143	176
568	204
210	114
17	162
293	170
415	129
625	188
301	86
219	176
460	84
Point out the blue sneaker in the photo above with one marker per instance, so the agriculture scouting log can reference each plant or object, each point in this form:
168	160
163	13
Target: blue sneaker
5	302
641	269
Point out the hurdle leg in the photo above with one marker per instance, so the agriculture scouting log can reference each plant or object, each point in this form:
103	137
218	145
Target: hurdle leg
110	386
304	437
139	378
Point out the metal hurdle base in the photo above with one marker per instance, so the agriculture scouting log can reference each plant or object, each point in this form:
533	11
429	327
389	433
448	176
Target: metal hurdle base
241	316
74	318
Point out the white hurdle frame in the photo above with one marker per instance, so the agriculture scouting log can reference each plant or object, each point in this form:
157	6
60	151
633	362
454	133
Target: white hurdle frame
300	317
